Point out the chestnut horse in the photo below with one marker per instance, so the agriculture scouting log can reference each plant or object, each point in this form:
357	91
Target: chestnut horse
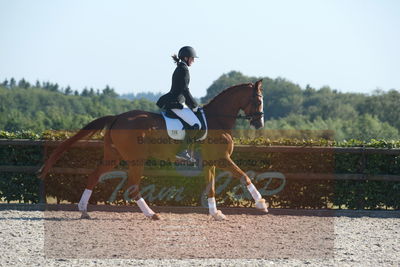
122	132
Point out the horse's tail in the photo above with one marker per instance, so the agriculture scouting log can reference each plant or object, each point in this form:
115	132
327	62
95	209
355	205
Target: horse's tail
86	132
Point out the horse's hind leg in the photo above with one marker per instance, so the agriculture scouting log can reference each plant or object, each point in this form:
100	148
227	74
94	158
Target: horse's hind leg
111	159
92	181
210	191
133	192
135	154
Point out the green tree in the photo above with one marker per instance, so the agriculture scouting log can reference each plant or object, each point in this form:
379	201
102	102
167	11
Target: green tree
41	109
68	90
24	84
13	83
5	83
85	92
281	98
108	91
385	105
225	81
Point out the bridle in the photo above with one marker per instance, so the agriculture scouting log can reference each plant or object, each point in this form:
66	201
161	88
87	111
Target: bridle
250	116
253	102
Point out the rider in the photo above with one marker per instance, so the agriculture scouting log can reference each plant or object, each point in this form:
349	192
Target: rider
180	94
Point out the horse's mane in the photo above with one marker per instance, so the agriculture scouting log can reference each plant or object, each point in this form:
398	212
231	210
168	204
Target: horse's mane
226	91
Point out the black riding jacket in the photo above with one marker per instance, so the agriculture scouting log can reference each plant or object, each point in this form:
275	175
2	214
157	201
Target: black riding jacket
179	92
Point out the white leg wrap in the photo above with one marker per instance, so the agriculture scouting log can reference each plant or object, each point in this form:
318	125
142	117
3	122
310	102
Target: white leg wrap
144	208
254	192
212	206
82	205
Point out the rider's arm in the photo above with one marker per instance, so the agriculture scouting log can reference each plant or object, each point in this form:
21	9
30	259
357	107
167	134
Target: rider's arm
190	101
184	85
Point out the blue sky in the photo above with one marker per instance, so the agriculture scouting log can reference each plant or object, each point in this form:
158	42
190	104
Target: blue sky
352	46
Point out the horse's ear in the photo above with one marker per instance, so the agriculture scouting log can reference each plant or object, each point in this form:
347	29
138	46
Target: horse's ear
258	84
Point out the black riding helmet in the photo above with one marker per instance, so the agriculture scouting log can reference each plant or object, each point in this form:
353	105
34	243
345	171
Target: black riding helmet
187	51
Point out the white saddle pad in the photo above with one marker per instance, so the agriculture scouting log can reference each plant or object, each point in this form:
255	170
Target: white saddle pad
175	127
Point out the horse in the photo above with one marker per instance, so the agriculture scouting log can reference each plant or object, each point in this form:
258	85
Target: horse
122	132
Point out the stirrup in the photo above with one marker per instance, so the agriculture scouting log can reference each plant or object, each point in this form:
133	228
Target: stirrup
185	156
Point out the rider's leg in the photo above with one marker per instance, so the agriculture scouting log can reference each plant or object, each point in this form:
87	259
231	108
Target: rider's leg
191	131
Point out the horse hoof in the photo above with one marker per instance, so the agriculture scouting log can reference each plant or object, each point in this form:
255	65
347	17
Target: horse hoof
262	206
219	216
85	215
156	217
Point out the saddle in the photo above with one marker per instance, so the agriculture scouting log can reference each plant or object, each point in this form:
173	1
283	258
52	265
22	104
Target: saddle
176	127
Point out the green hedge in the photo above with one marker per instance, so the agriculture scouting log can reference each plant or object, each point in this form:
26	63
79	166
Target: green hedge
368	194
20	187
188	191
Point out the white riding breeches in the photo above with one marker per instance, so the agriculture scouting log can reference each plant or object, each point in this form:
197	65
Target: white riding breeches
187	115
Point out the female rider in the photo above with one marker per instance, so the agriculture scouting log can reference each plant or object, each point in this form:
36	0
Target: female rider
180	94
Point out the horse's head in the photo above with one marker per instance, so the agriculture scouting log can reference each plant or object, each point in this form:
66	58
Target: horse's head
253	106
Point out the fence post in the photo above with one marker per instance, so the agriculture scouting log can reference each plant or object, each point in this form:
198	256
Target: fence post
360	189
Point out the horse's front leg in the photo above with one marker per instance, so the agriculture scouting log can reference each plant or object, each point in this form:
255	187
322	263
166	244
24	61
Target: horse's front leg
210	191
228	165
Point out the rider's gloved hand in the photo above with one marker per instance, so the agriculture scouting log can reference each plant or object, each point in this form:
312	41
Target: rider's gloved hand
195	109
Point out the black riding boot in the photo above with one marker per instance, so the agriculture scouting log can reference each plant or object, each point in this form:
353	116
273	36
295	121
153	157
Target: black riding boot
190	139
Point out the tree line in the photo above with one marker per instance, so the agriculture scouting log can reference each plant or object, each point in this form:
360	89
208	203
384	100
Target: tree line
46	106
287	106
54	87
